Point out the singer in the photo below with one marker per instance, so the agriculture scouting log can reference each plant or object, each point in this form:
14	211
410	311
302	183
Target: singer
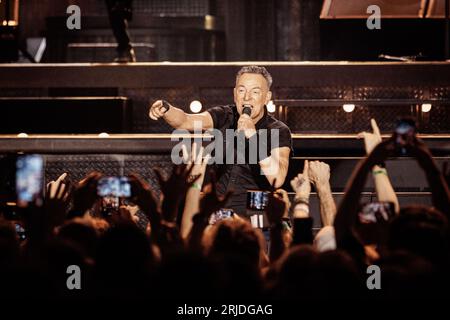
248	116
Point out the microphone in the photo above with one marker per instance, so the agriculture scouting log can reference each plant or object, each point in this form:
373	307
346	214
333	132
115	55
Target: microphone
247	109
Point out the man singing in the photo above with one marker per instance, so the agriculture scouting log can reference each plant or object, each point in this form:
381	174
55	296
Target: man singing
248	116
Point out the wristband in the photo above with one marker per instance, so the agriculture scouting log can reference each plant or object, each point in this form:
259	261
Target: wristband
166	105
196	186
381	171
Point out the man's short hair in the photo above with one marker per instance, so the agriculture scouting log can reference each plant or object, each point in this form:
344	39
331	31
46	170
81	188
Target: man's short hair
257	70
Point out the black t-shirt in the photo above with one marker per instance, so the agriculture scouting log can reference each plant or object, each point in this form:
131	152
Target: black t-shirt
243	177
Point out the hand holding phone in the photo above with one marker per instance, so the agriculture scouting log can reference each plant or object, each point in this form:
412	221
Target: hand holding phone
376	212
405	132
29	180
111	190
220	215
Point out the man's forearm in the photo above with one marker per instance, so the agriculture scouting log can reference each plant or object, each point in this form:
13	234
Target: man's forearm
176	118
327	204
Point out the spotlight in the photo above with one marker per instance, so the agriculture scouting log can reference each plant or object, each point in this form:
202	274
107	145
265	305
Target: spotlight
426	107
270	107
22	135
195	106
348	107
103	135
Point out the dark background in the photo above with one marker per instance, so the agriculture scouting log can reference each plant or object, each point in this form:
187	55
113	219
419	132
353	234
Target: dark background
257	30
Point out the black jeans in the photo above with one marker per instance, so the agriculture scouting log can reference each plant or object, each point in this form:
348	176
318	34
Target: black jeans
119	12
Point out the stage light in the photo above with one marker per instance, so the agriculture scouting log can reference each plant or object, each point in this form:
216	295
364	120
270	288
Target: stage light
270	106
426	107
103	135
348	107
195	106
22	135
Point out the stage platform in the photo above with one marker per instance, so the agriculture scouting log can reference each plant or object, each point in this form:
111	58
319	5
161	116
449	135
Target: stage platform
308	95
309	98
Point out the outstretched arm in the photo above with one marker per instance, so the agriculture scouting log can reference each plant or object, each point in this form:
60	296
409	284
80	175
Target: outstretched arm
179	119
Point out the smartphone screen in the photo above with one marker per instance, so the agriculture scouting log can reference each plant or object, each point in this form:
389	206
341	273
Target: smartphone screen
220	215
405	131
114	187
20	231
257	200
29	179
376	212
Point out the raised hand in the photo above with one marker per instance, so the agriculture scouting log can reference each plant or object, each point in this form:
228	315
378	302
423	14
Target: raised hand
276	207
144	197
371	140
212	202
57	198
174	188
319	173
198	161
85	193
301	183
53	185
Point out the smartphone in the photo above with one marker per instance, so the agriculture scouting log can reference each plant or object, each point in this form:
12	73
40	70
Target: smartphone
117	186
220	215
29	180
376	212
109	205
20	231
405	130
257	200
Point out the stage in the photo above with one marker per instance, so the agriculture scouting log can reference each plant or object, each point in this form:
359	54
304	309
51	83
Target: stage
308	97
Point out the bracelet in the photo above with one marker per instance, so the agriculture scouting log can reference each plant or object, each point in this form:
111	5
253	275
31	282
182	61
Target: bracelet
196	185
381	171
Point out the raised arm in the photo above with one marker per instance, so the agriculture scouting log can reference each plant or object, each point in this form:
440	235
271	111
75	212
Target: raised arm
439	189
276	166
319	174
383	186
192	203
178	119
348	208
